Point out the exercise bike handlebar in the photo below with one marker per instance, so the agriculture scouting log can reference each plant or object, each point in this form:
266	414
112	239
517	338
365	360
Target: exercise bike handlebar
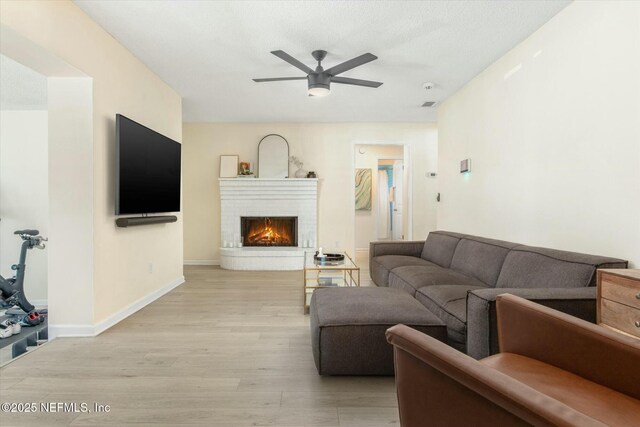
34	241
27	232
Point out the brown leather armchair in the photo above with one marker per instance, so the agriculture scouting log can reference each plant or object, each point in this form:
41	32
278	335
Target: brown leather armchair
552	370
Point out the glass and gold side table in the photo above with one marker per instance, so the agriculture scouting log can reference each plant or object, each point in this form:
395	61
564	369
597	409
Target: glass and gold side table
330	274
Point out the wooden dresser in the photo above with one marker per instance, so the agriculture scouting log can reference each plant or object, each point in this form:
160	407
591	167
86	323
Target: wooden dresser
619	300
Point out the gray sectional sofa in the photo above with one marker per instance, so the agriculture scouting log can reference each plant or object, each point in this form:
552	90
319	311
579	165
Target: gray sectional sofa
457	277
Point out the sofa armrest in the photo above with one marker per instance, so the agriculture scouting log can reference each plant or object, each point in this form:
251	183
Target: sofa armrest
592	352
396	247
482	330
447	387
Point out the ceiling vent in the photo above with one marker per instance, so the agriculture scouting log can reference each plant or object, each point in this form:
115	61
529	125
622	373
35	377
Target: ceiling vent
429	104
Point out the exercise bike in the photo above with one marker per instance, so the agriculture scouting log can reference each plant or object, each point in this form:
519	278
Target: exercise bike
12	289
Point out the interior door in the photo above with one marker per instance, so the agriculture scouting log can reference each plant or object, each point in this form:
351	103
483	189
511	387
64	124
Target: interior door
398	173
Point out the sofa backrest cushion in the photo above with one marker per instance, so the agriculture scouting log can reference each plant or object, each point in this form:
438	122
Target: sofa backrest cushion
532	267
440	246
481	258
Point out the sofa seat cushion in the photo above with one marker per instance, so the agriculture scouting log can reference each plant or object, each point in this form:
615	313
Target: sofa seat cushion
531	267
413	277
382	265
595	400
449	303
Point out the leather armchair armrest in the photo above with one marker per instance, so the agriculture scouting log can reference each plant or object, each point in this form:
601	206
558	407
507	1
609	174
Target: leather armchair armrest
587	350
482	330
446	387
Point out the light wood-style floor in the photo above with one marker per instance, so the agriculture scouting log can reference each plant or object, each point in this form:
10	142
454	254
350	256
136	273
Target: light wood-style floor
224	349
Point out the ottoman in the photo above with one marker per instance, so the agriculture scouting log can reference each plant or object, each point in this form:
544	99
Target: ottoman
348	328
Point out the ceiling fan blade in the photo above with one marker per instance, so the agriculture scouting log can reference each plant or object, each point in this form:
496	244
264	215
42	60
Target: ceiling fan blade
279	79
350	64
355	82
291	60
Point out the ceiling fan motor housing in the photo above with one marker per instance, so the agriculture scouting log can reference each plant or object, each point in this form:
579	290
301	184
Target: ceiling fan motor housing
319	80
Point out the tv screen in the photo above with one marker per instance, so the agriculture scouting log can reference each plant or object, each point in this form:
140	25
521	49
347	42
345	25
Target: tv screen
148	170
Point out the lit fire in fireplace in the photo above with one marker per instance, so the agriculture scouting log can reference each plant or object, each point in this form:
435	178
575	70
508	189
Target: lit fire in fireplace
270	232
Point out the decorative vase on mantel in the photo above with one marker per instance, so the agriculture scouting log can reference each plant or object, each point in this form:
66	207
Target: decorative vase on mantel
300	173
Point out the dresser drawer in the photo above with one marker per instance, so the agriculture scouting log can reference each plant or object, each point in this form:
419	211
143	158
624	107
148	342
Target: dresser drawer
620	290
620	316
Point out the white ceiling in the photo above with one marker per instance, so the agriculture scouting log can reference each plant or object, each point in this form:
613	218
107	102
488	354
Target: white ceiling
209	51
21	88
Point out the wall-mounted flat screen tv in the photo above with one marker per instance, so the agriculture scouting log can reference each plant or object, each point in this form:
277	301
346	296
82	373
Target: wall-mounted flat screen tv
147	170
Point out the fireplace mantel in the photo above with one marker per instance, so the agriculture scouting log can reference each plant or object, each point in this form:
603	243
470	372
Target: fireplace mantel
266	197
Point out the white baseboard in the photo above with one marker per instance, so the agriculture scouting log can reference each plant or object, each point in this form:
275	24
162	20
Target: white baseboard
201	262
58	331
137	305
93	330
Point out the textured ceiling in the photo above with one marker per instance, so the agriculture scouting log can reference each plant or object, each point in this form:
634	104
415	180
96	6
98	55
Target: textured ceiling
209	51
21	88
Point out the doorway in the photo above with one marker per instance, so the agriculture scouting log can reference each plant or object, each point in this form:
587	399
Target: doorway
65	153
390	212
380	202
24	203
24	192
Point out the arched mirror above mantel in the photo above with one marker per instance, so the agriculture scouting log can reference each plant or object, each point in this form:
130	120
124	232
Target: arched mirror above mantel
273	157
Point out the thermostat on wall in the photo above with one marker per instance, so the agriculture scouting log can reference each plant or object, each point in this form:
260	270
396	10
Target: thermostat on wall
465	166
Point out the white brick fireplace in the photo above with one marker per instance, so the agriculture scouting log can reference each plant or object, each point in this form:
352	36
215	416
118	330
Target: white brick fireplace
267	197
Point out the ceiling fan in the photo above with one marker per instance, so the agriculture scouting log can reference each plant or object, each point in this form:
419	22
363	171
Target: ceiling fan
319	80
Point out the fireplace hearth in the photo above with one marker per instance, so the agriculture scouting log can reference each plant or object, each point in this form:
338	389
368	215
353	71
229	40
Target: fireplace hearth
269	231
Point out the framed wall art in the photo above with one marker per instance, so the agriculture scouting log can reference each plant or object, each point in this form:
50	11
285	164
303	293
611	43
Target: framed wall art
229	166
363	189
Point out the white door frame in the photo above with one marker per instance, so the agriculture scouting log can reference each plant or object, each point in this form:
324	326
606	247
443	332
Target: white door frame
409	182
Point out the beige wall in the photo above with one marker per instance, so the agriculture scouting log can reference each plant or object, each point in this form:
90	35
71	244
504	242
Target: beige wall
553	131
121	84
365	224
326	148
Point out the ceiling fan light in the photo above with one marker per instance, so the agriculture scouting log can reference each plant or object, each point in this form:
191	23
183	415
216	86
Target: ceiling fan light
319	90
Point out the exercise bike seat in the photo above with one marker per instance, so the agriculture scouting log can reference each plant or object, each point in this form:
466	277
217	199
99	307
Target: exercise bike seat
27	232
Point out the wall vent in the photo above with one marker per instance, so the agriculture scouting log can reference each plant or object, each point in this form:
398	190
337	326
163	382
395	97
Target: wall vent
429	104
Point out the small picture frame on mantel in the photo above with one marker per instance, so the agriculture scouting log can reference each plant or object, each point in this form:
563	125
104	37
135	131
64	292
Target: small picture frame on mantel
229	166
